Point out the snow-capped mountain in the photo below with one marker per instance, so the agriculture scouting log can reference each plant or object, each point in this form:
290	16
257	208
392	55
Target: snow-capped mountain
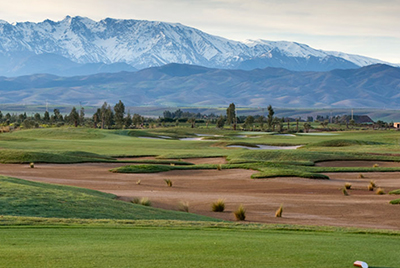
143	44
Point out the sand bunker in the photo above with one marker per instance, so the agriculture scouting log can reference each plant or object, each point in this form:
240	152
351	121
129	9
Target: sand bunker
305	201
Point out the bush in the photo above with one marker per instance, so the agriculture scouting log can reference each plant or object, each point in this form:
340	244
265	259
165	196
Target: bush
278	213
218	206
240	213
347	185
168	182
395	202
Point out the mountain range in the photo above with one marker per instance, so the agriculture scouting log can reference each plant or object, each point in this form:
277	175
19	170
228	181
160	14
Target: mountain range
81	46
374	86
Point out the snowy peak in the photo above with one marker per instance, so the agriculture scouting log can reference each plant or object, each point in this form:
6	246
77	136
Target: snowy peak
143	44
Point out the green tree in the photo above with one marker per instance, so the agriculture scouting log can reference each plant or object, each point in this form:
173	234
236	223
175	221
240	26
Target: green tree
74	117
306	127
128	120
270	118
220	122
46	117
119	110
249	121
37	117
82	116
231	115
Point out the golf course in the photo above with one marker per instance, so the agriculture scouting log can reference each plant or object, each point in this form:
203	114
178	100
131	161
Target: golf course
82	197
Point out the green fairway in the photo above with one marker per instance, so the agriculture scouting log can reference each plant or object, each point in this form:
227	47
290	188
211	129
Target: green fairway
25	198
75	145
202	246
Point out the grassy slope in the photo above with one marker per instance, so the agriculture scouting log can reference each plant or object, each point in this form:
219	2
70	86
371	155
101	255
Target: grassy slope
24	198
172	245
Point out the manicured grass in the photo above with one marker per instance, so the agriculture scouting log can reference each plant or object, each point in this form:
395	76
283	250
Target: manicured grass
25	198
172	245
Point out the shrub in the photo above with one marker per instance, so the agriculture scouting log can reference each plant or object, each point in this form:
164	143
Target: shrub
183	206
344	191
168	182
361	176
375	165
278	213
395	202
347	185
32	165
218	206
240	213
380	191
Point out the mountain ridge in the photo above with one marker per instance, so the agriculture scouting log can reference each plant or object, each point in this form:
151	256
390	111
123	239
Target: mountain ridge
143	44
374	86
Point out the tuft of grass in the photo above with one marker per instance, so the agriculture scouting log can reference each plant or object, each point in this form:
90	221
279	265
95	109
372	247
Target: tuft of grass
380	191
375	165
219	167
218	206
32	165
168	182
138	182
172	164
370	187
240	213
183	206
135	200
145	202
278	213
396	192
361	176
344	191
347	185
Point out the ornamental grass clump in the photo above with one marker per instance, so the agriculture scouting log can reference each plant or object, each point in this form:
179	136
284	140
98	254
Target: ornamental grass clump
361	176
375	165
32	165
168	182
344	191
218	206
138	182
278	213
240	213
183	206
145	202
347	185
219	167
380	191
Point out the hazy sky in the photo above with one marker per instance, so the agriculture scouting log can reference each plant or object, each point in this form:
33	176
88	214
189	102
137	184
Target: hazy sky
365	27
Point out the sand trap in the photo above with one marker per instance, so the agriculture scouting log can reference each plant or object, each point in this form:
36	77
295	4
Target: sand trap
305	201
265	147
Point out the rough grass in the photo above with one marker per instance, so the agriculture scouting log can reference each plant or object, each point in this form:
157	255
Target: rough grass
25	198
395	202
396	192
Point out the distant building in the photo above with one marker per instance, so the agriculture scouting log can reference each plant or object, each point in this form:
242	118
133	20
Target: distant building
396	125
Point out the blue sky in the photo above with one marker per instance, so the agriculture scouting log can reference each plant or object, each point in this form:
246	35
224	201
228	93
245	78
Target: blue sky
365	27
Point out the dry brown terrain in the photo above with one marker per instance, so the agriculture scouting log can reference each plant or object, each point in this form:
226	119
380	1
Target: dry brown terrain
305	201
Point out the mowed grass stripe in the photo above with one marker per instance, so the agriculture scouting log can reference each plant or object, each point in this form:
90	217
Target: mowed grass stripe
164	247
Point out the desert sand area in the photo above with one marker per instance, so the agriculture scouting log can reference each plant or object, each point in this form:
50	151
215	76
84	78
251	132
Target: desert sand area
305	201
